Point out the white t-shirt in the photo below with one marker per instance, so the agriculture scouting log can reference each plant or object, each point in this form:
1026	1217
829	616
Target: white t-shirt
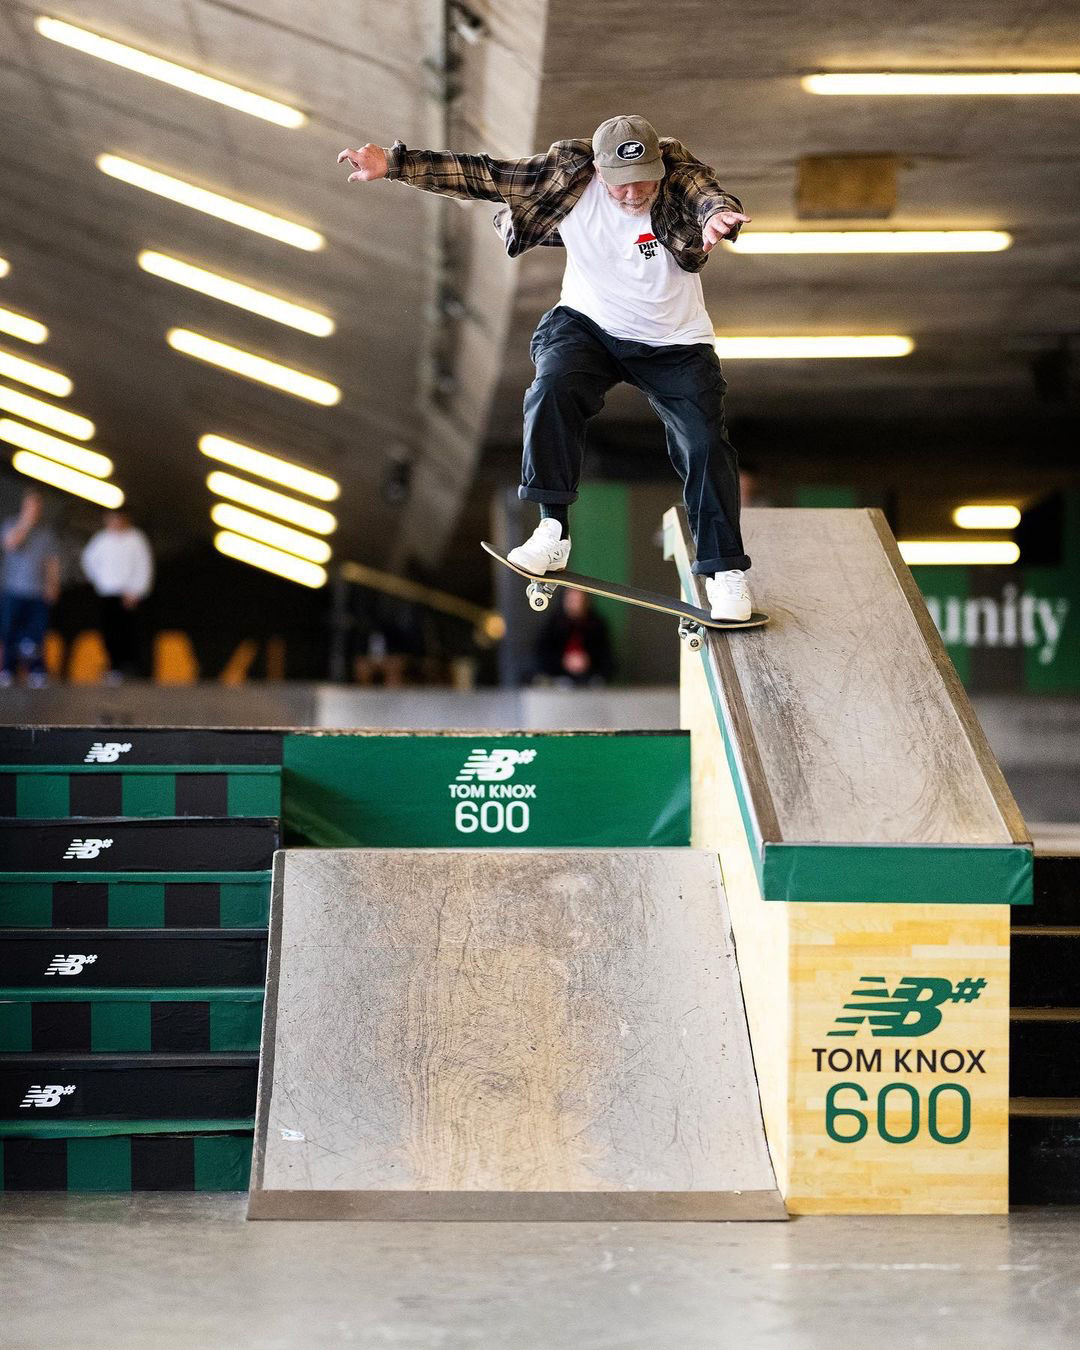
621	276
119	562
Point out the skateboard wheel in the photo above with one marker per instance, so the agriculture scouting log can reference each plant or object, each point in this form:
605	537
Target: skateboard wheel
538	599
693	642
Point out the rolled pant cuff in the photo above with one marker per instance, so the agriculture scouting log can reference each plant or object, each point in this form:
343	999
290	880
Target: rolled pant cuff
546	496
707	566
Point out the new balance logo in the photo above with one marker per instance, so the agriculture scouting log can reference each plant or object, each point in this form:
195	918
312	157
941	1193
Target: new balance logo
913	1008
106	752
68	965
86	848
46	1096
494	766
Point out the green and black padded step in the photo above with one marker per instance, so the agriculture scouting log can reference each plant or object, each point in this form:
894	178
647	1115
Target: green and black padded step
170	1155
52	772
26	903
97	958
125	1087
130	1021
176	848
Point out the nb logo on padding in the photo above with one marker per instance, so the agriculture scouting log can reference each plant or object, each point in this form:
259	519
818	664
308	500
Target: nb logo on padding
68	965
86	848
493	766
106	752
46	1096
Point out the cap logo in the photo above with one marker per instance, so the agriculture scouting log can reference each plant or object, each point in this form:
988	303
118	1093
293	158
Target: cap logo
630	150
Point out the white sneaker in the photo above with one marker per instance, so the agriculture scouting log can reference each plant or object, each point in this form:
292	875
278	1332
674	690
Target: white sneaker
729	596
544	551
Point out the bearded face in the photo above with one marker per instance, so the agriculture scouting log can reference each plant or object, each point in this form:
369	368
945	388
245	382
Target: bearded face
636	199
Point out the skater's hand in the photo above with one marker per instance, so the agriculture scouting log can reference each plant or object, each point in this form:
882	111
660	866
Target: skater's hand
719	226
369	162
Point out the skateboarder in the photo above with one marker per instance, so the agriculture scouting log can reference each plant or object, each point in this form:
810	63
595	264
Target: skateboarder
638	217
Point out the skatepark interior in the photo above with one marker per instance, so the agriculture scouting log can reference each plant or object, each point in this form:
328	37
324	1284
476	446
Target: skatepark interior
381	966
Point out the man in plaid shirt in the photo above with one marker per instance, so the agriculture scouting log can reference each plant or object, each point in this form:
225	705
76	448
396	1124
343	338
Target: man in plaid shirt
638	217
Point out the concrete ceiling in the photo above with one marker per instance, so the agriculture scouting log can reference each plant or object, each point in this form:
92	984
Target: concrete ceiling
446	382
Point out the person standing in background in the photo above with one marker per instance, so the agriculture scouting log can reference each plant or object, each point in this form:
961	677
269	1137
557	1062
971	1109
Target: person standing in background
120	567
31	586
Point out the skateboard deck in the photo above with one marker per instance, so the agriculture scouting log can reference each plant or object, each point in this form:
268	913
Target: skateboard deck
691	618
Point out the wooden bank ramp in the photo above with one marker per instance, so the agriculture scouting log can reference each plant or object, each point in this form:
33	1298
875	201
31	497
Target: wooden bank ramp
521	1034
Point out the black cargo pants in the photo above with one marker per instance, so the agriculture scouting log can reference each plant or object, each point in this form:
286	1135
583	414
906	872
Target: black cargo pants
576	364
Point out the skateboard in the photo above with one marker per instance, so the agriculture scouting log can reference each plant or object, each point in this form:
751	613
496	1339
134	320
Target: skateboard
692	621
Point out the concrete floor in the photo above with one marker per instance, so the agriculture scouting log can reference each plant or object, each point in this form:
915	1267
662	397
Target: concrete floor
160	1272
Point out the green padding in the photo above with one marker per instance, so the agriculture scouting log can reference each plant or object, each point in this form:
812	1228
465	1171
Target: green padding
869	874
244	905
26	905
235	1026
15	1031
95	1129
101	1164
149	794
155	770
222	1163
137	905
429	791
121	1027
195	994
44	797
22	878
254	794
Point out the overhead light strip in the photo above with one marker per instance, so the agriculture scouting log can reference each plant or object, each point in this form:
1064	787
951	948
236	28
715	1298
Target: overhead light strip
56	419
169	72
37	377
211	203
67	480
957	552
872	241
950	83
797	348
22	327
269	559
978	517
238	520
240	362
5	267
271	503
276	470
52	447
236	293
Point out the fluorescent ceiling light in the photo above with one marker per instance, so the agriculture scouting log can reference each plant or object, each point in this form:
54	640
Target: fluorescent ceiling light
67	480
212	203
253	367
277	470
56	419
19	326
236	293
271	503
181	77
238	520
5	267
52	447
946	552
38	377
872	241
986	517
811	348
944	82
269	559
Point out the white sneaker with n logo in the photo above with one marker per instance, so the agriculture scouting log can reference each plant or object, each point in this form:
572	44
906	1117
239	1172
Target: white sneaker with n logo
544	551
729	596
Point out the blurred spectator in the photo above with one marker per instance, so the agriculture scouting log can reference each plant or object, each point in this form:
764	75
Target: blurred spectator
30	587
120	567
575	645
750	488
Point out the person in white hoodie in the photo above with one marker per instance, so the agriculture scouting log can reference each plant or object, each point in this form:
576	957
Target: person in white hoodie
120	567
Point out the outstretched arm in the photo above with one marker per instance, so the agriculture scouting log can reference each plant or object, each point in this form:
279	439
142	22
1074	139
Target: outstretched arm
470	176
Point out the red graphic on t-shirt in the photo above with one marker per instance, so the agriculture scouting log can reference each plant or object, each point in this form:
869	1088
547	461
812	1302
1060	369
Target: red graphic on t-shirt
647	243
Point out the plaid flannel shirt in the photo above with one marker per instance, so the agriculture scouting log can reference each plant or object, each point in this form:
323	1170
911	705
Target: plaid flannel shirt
540	191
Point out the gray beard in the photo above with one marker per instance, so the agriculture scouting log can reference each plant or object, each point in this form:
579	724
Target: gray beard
637	210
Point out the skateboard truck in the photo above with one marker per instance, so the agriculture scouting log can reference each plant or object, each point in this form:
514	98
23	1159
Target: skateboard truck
539	594
693	634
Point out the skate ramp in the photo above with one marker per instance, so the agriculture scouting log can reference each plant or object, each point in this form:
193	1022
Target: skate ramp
506	1035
